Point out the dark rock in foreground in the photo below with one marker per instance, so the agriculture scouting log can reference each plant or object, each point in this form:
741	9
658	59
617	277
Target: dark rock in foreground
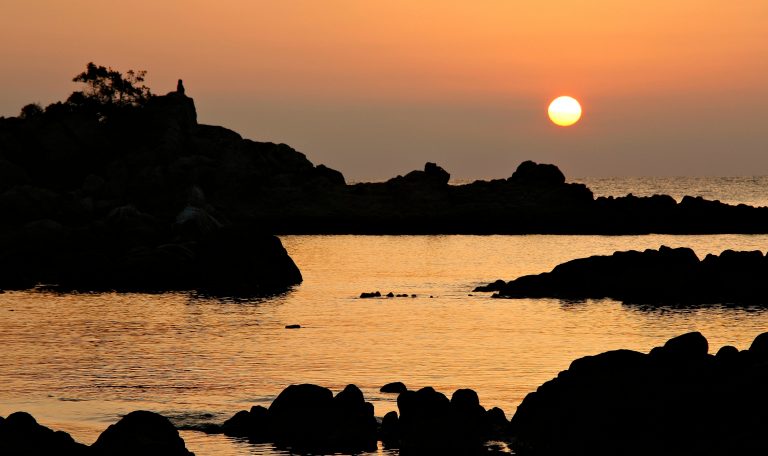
664	276
429	423
21	435
141	432
676	400
309	418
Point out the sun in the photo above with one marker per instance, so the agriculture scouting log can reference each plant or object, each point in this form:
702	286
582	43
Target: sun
564	111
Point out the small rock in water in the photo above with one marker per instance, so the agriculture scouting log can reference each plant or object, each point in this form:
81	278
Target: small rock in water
390	295
292	326
394	387
373	294
413	295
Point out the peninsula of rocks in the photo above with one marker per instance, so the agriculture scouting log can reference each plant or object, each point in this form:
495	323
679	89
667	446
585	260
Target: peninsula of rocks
665	276
119	189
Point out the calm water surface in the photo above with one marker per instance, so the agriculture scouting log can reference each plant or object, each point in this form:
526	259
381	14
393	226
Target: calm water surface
752	190
76	362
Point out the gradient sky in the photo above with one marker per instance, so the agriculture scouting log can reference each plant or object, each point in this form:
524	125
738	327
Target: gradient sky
375	88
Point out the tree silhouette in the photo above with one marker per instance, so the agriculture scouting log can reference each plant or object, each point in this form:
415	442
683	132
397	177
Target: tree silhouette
108	87
31	110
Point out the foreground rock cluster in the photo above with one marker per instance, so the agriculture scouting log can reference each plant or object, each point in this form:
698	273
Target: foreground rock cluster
676	400
139	432
663	276
310	418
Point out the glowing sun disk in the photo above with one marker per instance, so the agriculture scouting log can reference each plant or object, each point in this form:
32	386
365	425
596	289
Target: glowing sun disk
564	111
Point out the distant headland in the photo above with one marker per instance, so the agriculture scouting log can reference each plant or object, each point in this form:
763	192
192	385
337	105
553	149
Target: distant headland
653	277
117	188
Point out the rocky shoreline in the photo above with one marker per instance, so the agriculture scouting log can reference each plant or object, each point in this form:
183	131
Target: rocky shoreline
99	194
665	276
677	399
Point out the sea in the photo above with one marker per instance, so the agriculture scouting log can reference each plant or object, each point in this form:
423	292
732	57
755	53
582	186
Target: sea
78	362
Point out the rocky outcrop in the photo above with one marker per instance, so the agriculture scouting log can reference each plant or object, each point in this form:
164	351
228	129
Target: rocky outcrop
20	434
141	432
394	387
309	417
663	276
429	423
676	400
75	166
119	199
138	432
133	197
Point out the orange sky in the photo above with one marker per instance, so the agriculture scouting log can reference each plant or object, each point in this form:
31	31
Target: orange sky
376	88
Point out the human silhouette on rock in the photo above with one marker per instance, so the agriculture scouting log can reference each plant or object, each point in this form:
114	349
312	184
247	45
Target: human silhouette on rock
180	87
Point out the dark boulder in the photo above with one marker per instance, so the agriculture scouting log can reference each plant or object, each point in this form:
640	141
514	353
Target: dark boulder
677	400
390	430
689	345
394	387
532	173
21	435
354	425
660	277
310	417
240	259
759	347
141	432
253	424
431	424
299	414
496	424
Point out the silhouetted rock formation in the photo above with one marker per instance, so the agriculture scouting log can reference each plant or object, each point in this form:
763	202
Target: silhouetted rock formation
676	400
394	387
664	276
140	196
21	435
115	198
309	417
431	424
141	432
